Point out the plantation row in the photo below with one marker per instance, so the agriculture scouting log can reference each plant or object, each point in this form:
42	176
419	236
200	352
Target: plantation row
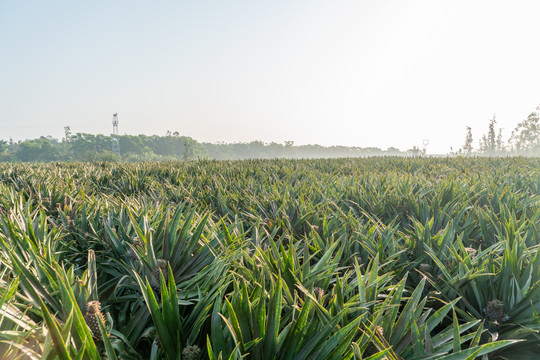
378	258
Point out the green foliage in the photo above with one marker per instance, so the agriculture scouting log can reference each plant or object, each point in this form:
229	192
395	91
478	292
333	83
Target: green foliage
526	136
387	258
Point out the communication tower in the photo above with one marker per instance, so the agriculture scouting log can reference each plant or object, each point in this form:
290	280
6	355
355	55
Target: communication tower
115	146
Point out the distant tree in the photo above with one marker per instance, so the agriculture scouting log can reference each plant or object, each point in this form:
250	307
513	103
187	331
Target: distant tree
28	151
3	146
49	152
188	149
526	136
415	151
500	143
132	145
65	150
393	151
488	143
5	154
491	135
82	144
13	146
467	147
67	133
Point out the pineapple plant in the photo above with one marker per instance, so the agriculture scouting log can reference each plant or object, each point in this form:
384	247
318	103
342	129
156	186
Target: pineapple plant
474	236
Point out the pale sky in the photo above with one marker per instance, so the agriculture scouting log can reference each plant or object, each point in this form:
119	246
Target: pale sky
357	73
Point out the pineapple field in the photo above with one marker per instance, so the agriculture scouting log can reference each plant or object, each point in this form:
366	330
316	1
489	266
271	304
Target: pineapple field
375	258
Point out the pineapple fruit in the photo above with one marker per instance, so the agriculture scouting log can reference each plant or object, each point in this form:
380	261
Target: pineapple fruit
161	268
495	311
137	244
92	317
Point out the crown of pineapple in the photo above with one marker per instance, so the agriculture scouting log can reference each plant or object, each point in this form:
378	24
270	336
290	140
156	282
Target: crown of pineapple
93	307
191	352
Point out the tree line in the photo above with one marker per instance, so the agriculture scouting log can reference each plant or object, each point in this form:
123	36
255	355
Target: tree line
172	146
524	139
90	147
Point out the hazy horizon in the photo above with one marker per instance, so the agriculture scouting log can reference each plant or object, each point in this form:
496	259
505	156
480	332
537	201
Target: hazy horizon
363	74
